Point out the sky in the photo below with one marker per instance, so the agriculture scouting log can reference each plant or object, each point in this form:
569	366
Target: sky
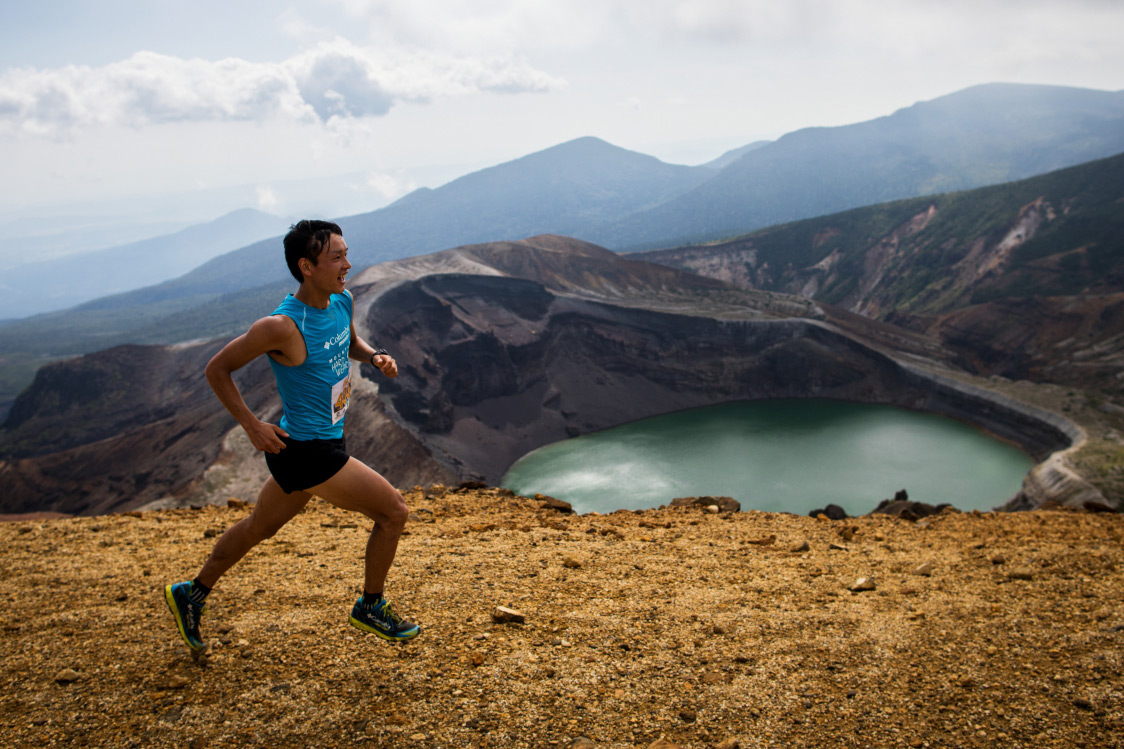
183	110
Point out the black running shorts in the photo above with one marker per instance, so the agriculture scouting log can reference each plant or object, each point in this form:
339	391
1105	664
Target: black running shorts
306	463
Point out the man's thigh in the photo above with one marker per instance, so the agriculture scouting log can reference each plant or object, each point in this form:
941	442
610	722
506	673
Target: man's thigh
359	487
274	507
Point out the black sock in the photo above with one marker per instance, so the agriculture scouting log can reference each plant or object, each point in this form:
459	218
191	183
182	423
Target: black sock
369	598
198	592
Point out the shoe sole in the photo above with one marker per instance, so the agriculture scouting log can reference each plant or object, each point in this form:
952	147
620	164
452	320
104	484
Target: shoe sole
390	638
170	599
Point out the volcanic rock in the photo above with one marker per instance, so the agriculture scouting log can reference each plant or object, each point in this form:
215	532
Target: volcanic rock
555	504
831	512
503	615
724	504
925	569
862	584
907	510
67	676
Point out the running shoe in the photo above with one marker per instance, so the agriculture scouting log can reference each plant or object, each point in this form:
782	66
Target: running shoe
186	612
380	619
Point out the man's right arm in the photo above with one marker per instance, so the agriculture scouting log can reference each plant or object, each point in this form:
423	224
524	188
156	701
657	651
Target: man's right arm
265	335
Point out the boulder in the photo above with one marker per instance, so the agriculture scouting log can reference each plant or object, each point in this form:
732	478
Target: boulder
553	503
863	583
831	512
504	615
67	676
724	504
907	510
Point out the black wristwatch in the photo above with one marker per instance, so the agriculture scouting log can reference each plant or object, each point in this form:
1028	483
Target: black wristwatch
378	352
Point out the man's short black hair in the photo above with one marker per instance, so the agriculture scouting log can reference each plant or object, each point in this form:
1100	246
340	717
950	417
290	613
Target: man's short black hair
307	239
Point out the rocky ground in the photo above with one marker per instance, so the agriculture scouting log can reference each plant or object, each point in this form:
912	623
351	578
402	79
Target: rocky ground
672	627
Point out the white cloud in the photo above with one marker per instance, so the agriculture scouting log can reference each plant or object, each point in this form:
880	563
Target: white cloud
517	25
333	79
390	186
475	26
602	26
267	199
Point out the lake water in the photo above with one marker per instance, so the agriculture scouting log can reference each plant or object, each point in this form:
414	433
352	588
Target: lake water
779	456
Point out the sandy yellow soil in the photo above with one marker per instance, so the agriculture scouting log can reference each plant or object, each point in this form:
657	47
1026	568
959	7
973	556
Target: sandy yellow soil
671	627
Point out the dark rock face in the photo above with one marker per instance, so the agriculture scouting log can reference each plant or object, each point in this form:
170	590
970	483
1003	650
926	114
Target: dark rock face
83	400
132	424
495	367
492	368
1053	339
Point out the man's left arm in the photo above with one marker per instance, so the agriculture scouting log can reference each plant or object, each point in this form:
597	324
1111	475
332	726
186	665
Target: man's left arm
360	350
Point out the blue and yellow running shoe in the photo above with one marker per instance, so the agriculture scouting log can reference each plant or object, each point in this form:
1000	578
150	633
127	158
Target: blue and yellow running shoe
186	612
380	619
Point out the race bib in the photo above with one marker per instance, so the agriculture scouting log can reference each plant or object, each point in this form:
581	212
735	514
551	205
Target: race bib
341	396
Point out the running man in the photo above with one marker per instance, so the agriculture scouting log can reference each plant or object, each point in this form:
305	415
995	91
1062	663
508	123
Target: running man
310	340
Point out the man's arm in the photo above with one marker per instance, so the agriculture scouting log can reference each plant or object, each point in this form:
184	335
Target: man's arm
360	350
267	334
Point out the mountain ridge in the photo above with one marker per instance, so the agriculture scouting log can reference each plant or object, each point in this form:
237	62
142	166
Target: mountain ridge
982	135
79	278
1034	267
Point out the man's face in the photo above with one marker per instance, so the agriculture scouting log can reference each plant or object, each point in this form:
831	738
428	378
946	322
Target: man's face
329	272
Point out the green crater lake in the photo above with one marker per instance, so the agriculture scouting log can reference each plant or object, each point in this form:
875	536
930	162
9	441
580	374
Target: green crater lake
778	456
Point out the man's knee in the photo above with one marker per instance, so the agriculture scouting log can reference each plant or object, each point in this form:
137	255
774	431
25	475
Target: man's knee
396	512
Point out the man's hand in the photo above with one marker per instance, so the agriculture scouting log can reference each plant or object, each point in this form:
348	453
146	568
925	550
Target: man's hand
266	437
385	363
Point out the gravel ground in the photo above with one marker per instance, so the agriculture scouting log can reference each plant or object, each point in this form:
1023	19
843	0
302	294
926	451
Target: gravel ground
663	628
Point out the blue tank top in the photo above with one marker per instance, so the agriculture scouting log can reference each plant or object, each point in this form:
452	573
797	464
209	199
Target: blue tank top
315	394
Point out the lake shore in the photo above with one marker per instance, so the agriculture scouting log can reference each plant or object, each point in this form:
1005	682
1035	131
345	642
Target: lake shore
697	629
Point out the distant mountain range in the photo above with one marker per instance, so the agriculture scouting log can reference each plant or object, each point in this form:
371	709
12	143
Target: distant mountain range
595	191
623	200
34	288
980	136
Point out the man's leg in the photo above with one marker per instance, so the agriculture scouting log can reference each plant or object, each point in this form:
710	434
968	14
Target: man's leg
359	488
186	600
273	510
